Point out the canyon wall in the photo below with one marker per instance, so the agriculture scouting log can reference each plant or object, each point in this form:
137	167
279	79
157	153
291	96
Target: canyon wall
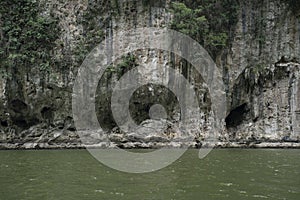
259	65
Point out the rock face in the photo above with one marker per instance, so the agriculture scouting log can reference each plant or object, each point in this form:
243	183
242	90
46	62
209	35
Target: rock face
260	68
266	108
263	67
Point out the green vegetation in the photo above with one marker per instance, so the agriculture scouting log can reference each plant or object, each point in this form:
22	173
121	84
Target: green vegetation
27	36
189	21
209	22
259	69
96	27
93	28
259	31
127	62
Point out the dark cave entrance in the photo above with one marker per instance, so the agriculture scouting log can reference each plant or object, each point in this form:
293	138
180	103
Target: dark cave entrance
237	116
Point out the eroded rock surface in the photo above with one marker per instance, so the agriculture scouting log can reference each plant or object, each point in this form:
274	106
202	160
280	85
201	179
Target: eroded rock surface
260	68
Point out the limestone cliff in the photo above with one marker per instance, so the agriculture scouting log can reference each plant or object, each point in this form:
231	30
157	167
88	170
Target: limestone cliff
259	64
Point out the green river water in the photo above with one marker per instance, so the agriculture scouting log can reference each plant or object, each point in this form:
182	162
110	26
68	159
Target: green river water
223	174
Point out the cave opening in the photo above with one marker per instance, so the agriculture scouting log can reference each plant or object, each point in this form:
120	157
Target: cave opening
4	123
140	105
21	123
19	106
149	95
47	113
237	116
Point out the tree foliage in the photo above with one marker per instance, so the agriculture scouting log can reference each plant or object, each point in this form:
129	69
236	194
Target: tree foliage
126	63
188	21
27	37
208	22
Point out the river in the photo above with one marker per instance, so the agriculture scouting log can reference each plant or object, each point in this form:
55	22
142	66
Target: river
223	174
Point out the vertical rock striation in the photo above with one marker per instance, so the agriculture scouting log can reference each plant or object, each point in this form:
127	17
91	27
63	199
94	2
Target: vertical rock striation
260	71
